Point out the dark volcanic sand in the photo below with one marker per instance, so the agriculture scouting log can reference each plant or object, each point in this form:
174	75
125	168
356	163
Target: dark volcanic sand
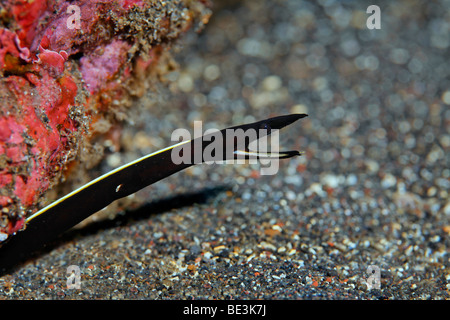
371	189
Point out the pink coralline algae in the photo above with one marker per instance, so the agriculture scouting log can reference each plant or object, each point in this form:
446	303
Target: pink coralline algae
97	69
61	65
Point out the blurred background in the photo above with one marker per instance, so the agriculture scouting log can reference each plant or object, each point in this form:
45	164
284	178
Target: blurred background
371	189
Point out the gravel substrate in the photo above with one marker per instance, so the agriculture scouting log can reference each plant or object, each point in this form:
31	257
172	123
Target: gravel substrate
371	189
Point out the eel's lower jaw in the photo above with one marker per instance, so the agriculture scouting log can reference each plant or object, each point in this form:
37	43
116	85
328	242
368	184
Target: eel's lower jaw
268	155
289	154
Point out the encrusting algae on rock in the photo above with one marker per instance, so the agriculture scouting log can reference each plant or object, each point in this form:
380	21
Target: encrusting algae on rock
65	66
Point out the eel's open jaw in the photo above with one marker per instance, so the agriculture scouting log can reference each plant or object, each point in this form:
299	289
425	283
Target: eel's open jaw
268	155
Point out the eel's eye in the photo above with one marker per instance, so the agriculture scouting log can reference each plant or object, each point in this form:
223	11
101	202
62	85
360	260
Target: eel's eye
265	126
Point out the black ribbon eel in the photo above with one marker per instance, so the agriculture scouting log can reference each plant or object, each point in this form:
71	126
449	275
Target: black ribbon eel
46	224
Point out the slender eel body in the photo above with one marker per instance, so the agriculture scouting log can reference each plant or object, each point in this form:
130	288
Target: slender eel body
46	224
